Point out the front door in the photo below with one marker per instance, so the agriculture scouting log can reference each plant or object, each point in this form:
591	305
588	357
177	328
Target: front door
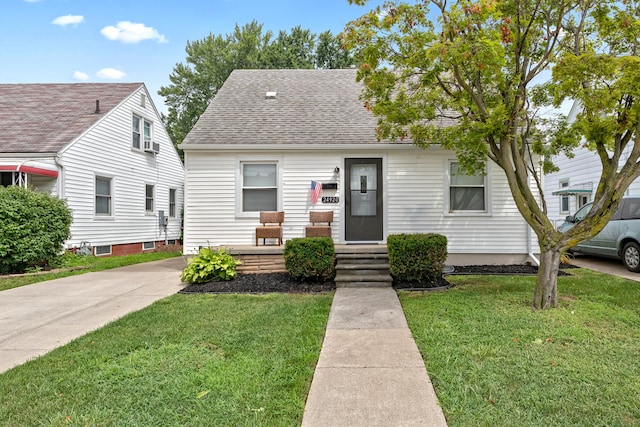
363	200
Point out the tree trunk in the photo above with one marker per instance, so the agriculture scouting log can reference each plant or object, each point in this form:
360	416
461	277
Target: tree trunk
546	293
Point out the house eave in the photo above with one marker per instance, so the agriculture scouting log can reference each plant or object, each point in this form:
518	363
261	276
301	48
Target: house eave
302	147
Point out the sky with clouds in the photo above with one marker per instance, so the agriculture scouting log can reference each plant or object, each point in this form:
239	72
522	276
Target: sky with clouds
65	41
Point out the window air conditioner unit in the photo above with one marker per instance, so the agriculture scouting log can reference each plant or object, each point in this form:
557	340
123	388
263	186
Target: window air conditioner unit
151	147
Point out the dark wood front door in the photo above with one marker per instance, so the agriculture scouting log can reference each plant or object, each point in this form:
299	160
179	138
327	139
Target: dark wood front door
363	200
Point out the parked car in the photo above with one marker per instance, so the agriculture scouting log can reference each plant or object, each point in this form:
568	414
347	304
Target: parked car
620	238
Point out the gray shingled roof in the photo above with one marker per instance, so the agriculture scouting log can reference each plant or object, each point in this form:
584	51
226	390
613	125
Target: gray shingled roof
44	118
311	107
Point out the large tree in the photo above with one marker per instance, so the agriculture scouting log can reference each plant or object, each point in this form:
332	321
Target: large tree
210	61
484	63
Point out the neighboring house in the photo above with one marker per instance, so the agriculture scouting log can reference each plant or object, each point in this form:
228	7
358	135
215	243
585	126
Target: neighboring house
269	133
103	148
575	184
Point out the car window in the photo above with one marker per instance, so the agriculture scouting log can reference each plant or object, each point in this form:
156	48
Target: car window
582	212
631	209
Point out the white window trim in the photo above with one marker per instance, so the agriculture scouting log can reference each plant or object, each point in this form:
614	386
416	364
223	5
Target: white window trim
111	192
143	118
153	246
95	248
447	195
278	161
561	184
175	203
153	200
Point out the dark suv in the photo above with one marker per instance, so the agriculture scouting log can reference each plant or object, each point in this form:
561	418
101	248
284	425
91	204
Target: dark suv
618	239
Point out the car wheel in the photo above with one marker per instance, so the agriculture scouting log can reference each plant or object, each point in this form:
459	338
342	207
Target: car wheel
631	257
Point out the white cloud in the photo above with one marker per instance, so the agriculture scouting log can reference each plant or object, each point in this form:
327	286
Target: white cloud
131	32
32	1
68	20
110	73
79	75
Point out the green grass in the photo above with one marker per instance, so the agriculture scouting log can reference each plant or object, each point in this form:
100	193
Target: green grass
196	360
495	362
72	265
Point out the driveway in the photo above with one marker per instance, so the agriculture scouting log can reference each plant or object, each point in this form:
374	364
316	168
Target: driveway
605	265
38	318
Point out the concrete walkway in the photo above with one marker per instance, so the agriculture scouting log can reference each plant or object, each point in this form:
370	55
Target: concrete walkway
37	318
610	266
370	372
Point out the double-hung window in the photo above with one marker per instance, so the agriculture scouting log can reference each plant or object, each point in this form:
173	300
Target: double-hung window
259	186
103	196
467	193
141	131
148	198
172	202
564	198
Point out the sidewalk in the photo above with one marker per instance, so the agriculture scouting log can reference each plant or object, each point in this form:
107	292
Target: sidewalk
370	372
37	318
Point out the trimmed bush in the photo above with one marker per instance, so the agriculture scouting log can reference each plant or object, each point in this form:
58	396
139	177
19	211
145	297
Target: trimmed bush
209	265
417	258
33	228
310	258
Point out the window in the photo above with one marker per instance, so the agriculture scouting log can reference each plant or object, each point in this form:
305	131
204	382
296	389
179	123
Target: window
172	202
467	193
583	199
564	198
148	246
148	198
259	186
140	128
103	196
102	250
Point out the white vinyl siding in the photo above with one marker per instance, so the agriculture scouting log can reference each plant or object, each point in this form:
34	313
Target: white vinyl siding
415	201
105	150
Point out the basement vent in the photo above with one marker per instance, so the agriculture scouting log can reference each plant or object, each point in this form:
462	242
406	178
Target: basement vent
271	95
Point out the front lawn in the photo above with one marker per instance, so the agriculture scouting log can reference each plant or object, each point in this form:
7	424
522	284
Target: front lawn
192	360
495	362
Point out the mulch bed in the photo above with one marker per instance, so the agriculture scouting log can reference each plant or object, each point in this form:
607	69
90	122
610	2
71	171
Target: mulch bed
283	282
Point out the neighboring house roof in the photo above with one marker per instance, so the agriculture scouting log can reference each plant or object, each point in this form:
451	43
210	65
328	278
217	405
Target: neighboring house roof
44	118
309	107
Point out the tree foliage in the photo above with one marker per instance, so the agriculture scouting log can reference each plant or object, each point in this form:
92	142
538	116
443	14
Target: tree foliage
210	60
33	228
481	64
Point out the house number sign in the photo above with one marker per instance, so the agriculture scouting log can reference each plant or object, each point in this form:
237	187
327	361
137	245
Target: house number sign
330	199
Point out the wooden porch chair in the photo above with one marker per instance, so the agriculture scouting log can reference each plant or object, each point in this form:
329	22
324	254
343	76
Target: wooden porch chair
269	229
315	230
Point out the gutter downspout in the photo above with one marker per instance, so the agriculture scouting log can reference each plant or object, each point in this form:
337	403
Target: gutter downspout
60	183
530	248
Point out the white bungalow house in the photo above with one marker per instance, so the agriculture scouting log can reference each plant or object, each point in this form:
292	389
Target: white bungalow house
103	148
576	181
268	134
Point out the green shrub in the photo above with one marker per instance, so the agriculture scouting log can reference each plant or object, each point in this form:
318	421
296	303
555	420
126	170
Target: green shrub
33	228
209	265
417	258
310	258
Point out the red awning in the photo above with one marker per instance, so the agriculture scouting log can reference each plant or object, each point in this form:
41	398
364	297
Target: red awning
34	168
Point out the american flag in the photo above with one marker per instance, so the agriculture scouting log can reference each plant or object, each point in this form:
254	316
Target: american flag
316	188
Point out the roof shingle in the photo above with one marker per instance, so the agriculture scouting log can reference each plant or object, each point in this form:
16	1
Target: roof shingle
44	118
310	107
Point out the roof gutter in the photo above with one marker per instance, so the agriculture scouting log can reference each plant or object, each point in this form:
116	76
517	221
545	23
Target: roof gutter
308	147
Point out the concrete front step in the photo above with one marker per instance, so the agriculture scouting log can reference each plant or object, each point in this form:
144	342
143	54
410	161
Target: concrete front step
363	266
363	285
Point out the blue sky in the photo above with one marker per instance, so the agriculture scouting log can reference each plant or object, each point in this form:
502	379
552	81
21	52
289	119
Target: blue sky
65	41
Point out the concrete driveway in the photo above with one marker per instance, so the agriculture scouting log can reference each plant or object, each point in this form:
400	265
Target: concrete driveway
37	318
604	265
